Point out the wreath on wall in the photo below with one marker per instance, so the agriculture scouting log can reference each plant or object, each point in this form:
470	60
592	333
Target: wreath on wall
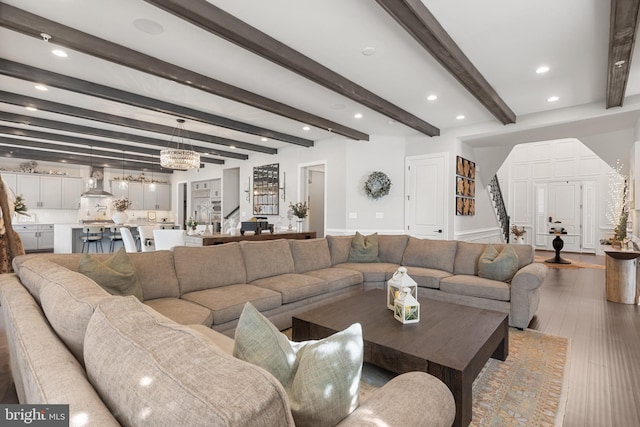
377	185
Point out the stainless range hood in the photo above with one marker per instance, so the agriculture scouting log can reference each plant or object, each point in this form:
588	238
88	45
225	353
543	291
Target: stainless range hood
98	191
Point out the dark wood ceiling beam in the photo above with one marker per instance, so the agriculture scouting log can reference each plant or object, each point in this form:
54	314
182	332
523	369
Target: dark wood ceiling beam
9	149
86	144
218	22
25	72
418	21
54	107
32	25
622	38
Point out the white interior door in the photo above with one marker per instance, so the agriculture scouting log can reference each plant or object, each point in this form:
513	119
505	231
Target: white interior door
426	204
564	206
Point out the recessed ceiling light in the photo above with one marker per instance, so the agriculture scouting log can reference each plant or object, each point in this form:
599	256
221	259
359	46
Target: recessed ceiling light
358	115
41	87
306	128
391	122
460	117
432	97
368	51
542	69
233	147
31	108
148	26
552	99
263	139
59	53
620	63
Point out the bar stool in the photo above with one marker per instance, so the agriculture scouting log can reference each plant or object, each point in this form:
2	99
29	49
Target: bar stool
92	235
114	236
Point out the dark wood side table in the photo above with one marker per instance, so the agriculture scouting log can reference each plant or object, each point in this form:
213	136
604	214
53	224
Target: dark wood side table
558	244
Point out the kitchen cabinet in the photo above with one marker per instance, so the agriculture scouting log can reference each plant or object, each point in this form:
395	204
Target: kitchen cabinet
35	237
10	179
158	197
72	189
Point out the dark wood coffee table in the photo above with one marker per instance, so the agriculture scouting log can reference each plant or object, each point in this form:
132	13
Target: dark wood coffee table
451	341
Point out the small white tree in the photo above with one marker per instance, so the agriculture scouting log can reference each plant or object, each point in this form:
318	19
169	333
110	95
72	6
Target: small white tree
618	204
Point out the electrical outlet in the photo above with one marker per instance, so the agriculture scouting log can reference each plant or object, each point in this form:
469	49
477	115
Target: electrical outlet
379	215
353	215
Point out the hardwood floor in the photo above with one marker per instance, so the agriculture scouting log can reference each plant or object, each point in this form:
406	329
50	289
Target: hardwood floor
604	367
604	361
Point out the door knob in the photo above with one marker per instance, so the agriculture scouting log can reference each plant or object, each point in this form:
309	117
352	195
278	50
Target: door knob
440	231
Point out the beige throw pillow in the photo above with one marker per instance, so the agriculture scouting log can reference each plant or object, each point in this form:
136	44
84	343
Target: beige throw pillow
322	378
364	248
498	266
117	275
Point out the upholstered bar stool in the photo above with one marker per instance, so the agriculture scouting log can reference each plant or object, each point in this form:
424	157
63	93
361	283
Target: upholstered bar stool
114	236
92	235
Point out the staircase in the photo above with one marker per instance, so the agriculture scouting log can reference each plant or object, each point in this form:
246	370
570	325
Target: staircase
501	210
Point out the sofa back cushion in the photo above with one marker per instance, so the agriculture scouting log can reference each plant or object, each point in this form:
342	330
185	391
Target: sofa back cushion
467	257
267	258
68	299
155	271
391	247
427	253
150	369
339	247
208	267
310	255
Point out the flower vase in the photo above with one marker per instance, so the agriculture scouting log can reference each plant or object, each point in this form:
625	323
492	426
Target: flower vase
520	240
299	225
119	217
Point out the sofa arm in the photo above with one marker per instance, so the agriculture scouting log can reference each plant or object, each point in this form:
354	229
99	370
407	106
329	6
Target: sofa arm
529	277
411	399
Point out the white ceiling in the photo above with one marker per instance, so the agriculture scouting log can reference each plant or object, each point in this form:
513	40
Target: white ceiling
505	39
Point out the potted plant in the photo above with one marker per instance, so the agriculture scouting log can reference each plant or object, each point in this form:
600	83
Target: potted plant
191	224
518	233
299	210
120	204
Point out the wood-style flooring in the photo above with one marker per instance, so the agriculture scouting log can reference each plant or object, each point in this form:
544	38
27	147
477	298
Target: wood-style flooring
604	361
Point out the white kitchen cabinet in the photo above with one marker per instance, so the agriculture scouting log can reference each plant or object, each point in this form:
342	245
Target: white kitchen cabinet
136	195
119	192
35	237
40	192
72	189
10	179
157	197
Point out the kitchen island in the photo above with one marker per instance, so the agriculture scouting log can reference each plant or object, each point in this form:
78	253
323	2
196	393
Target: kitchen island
218	239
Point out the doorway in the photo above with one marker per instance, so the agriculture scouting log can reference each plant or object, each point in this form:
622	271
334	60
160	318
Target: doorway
313	190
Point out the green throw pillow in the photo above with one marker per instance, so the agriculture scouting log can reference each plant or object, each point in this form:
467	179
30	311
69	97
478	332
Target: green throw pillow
322	378
117	275
498	266
364	248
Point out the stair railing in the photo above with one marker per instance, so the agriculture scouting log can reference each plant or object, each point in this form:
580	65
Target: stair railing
501	210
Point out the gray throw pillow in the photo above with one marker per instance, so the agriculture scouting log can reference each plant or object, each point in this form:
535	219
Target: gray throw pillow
364	248
498	266
322	378
117	275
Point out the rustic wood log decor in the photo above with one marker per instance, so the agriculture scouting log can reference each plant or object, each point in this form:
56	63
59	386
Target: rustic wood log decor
10	243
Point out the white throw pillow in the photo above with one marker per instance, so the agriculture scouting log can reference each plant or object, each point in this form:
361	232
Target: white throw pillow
322	378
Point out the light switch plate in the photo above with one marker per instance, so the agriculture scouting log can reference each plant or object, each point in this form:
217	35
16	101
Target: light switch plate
353	215
379	215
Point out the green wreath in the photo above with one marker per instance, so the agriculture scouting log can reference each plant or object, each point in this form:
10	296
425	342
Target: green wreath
377	185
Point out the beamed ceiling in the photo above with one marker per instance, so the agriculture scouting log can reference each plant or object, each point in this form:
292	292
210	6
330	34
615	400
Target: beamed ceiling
249	75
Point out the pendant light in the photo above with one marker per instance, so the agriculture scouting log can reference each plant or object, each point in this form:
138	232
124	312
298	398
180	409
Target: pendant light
152	186
123	183
179	157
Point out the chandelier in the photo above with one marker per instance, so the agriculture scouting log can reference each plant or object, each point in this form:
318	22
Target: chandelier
179	157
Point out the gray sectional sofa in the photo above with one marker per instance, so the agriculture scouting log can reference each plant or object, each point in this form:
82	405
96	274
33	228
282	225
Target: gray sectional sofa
118	361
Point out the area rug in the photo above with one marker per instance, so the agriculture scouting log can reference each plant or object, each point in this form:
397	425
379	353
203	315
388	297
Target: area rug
528	389
574	263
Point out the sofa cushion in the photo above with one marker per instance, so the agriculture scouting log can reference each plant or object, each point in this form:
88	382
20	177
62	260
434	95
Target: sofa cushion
391	247
427	277
467	257
321	377
372	271
294	287
364	248
134	359
209	266
337	278
311	254
339	247
475	286
267	258
117	274
226	302
496	265
427	253
182	311
68	299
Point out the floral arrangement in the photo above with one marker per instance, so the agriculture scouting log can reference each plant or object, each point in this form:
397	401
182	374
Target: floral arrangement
517	231
191	223
19	206
299	209
121	204
377	185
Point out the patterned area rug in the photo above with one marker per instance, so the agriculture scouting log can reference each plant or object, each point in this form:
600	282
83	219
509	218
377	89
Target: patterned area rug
528	389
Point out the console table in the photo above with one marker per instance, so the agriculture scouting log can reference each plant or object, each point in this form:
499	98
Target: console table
558	244
218	239
621	276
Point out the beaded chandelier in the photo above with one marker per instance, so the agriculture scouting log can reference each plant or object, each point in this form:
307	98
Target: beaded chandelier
179	157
